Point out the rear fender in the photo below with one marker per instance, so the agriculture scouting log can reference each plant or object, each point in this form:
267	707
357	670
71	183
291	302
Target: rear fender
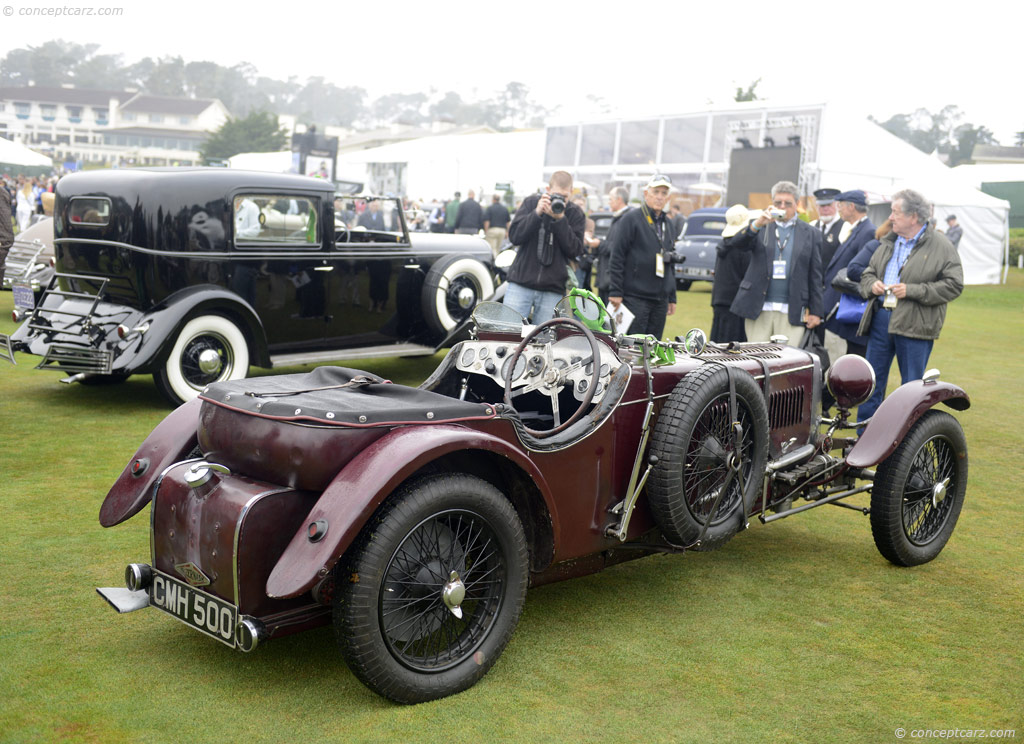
897	414
165	320
363	485
171	441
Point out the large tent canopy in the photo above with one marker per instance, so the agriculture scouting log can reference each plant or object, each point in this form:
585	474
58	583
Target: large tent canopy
855	153
15	158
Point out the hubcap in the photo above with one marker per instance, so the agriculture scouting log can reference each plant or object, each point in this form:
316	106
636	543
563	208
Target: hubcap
466	297
209	362
453	593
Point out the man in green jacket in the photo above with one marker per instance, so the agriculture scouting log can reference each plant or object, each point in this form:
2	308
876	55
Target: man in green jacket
913	274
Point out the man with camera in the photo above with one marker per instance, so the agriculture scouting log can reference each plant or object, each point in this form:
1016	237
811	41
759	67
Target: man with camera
642	255
781	292
548	229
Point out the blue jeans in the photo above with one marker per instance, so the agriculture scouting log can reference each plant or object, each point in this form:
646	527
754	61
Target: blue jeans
522	299
911	355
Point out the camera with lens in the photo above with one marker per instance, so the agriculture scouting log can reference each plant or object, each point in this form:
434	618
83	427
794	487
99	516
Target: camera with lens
557	203
676	257
776	213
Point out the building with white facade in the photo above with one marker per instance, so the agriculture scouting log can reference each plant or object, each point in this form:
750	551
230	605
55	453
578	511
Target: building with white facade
107	127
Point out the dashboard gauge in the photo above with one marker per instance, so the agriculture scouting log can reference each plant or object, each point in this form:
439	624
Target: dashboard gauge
518	372
468	356
482	354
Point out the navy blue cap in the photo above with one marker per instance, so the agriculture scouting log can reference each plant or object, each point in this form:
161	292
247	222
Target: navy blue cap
856	196
825	196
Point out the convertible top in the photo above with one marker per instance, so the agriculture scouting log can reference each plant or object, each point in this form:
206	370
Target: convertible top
340	396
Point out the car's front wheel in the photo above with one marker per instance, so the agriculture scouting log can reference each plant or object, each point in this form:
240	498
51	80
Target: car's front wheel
452	288
919	491
429	596
208	349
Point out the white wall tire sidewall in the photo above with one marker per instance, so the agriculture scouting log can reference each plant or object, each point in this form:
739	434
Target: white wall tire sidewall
215	324
471	267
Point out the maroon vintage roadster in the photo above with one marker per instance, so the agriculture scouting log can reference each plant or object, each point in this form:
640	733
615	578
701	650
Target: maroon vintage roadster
414	519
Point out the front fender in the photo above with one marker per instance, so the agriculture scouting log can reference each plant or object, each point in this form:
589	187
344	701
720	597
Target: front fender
363	485
171	441
897	414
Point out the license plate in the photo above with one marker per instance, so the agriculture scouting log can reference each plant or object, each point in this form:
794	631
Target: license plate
24	297
687	271
199	610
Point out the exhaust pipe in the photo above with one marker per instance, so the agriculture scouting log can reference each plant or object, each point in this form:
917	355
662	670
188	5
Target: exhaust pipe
248	633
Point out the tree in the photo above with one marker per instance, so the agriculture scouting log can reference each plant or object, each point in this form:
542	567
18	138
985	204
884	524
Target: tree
749	94
258	132
944	132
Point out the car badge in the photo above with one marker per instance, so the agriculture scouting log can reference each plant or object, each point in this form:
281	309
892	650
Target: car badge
192	574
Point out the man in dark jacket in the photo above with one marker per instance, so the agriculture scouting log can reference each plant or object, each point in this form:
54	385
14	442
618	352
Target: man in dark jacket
841	338
641	277
913	274
6	228
470	219
548	239
496	219
781	291
618	203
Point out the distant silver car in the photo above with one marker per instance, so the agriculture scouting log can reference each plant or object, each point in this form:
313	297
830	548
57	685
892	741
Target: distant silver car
29	262
698	246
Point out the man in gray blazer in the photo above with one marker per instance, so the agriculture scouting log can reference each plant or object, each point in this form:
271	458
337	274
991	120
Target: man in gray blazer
781	293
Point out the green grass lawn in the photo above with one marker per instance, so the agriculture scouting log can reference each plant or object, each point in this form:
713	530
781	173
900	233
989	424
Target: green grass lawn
794	632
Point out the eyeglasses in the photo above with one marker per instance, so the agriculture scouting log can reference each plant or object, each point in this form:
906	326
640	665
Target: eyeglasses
783	203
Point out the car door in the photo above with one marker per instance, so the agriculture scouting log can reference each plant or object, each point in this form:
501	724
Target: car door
279	265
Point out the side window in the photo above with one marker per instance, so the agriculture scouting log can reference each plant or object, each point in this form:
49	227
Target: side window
276	220
89	211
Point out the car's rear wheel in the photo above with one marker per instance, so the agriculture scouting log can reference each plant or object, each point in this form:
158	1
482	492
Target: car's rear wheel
429	596
208	349
695	443
919	491
453	287
684	284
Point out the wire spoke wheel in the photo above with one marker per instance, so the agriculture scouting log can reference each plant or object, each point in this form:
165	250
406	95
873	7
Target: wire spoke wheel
919	491
706	464
419	629
429	595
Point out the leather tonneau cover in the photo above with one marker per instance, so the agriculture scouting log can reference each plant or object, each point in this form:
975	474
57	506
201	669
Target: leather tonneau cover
338	396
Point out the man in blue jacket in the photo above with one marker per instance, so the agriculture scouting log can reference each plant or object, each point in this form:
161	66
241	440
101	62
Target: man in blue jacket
781	291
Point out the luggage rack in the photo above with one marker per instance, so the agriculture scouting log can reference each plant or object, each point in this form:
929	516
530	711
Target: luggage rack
72	357
21	259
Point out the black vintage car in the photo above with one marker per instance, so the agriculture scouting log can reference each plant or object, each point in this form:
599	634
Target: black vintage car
193	275
697	246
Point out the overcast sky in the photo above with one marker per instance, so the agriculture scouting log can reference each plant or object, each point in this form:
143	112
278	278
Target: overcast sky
670	57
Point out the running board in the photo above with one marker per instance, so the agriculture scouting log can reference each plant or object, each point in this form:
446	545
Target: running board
340	355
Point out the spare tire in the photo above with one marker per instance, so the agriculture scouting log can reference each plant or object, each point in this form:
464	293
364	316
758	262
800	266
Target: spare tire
453	287
693	441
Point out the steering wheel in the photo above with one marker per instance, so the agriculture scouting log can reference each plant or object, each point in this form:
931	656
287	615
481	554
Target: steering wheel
552	380
341	229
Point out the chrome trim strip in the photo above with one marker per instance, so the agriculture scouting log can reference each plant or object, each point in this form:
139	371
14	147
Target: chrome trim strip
238	531
407	250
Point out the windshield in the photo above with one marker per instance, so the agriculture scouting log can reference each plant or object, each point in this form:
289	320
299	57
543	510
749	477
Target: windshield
494	316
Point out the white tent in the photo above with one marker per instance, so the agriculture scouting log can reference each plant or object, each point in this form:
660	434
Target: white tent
270	162
436	167
855	153
11	153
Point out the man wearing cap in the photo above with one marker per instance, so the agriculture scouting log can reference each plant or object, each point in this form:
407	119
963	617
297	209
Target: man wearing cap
781	290
954	232
841	338
828	222
730	266
641	277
